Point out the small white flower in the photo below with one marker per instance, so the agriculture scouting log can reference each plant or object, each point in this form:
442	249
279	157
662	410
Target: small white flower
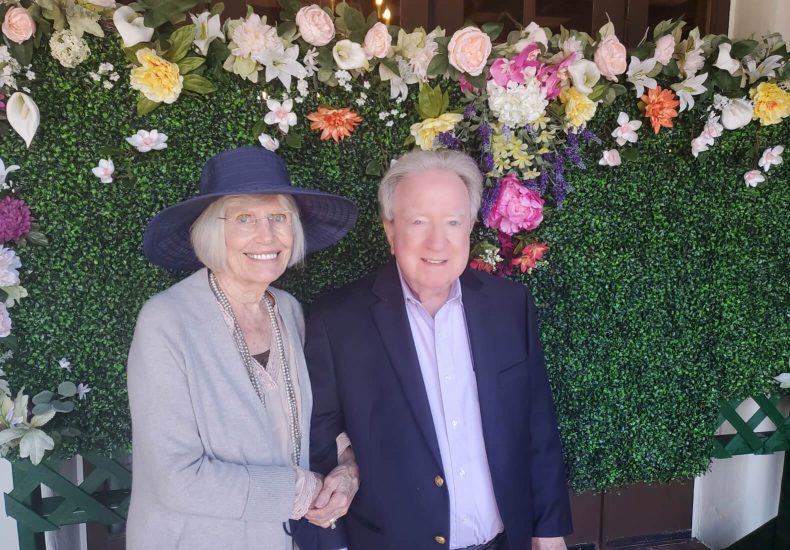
105	68
94	76
610	158
783	380
771	157
626	129
145	141
114	76
310	61
753	177
299	100
638	74
104	170
65	364
342	76
280	114
383	115
30	75
4	174
360	102
82	390
268	142
207	28
302	87
366	85
687	89
389	123
394	112
402	115
108	85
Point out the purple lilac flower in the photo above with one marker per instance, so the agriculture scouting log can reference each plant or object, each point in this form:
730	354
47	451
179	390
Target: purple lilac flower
488	161
469	111
489	198
560	188
589	135
485	135
15	219
543	182
448	140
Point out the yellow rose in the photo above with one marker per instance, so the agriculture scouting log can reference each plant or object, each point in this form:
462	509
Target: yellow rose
771	103
425	132
158	79
578	107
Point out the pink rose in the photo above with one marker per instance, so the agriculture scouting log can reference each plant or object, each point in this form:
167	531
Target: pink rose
665	47
378	41
610	57
516	208
18	24
315	25
468	50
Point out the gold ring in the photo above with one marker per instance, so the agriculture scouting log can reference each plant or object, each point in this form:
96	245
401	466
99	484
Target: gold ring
332	524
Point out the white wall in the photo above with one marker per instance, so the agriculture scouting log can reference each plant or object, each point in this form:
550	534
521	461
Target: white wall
8	535
755	18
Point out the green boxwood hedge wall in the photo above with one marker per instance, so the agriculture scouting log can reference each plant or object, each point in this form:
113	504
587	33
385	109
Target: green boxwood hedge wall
665	290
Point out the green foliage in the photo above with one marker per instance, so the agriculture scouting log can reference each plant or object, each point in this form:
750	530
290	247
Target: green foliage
665	288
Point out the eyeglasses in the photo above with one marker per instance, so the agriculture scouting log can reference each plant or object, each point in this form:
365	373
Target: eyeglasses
278	221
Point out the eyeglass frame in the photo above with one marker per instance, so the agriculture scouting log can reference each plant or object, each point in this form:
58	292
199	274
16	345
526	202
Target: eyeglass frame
257	219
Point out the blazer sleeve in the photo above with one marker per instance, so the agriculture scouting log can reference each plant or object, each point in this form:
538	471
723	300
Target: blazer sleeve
167	444
552	516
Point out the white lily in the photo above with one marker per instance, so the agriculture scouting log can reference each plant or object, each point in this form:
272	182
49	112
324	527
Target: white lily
584	75
145	141
700	144
283	64
23	116
269	142
639	74
766	69
207	28
725	61
105	170
4	174
131	26
771	157
783	379
626	129
687	89
753	177
280	114
610	158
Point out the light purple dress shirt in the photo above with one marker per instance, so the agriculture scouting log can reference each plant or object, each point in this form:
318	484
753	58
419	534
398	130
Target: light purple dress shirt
442	344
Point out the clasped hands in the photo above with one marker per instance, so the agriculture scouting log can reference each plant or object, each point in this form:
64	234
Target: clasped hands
337	492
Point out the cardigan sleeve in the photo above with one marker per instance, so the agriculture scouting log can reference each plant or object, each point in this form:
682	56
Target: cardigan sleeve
166	441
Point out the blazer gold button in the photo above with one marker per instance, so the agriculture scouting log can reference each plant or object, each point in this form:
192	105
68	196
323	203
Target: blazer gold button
439	539
439	481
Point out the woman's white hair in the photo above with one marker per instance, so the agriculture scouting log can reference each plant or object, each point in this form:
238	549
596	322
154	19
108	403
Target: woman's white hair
208	231
423	161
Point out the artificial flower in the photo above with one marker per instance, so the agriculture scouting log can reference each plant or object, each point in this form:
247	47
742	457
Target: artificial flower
252	37
699	144
18	24
419	61
783	380
536	35
693	59
105	170
660	107
64	364
584	75
771	103
349	55
639	74
468	50
15	219
712	128
280	114
9	267
69	49
481	265
753	177
4	174
735	113
268	142
310	62
530	256
579	108
610	57
23	116
766	69
398	81
283	64
336	124
157	78
724	61
771	157
315	25
610	158
687	89
82	390
626	129
5	322
426	131
665	47
104	4
517	105
378	41
207	28
516	208
131	26
145	141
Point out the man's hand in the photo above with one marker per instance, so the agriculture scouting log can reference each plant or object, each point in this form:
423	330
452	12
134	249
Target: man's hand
338	491
553	543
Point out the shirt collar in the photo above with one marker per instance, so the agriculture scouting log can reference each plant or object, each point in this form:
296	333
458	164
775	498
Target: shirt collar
410	297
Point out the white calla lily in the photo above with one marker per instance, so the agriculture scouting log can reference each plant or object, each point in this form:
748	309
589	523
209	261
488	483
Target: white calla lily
584	75
783	380
207	28
23	116
131	26
725	61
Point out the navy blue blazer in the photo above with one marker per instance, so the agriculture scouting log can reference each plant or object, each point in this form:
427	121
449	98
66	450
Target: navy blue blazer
366	381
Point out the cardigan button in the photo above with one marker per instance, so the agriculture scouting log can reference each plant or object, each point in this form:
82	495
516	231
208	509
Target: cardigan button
439	481
439	539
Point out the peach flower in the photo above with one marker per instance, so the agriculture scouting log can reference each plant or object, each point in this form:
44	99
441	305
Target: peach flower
315	25
334	124
660	107
610	57
18	24
378	41
469	49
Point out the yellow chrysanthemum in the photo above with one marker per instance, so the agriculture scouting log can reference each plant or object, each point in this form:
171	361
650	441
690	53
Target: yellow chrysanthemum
158	79
771	103
578	107
425	132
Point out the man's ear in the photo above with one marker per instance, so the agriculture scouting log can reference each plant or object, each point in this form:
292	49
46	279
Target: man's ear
389	230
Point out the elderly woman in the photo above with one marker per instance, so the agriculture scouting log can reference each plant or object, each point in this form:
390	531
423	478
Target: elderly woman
218	387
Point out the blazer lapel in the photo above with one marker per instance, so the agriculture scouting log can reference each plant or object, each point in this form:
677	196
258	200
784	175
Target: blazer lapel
389	314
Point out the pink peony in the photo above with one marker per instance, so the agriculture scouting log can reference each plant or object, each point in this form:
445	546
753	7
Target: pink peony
610	57
15	219
378	41
18	24
469	49
315	25
665	48
516	208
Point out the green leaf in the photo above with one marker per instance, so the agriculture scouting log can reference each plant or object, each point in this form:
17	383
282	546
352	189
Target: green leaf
619	89
34	444
630	154
392	66
671	69
478	81
161	11
198	84
217	9
493	29
67	389
287	30
726	81
258	128
290	6
598	91
742	48
37	238
373	168
43	397
429	103
293	140
42	408
10	434
10	342
63	406
145	105
21	52
70	432
190	64
438	65
180	43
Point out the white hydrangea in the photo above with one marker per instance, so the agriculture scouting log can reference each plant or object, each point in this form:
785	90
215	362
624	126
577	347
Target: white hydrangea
9	67
9	267
68	48
517	105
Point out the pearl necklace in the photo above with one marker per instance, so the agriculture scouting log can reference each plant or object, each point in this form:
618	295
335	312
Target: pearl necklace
295	431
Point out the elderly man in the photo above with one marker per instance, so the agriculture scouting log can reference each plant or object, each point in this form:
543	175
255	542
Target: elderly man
436	374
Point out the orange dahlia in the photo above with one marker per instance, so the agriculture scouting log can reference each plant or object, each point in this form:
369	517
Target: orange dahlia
660	107
334	123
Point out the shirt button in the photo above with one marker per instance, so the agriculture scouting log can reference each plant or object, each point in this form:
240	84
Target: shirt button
439	481
462	472
439	539
455	423
448	377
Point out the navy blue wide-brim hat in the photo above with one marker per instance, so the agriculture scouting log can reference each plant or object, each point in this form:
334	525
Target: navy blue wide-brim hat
325	217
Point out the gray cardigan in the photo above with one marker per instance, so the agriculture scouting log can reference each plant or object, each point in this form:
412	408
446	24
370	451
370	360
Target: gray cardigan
205	474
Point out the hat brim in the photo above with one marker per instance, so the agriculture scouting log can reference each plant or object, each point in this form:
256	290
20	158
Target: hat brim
325	218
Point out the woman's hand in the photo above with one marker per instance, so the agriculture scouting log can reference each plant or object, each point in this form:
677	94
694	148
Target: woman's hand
338	491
